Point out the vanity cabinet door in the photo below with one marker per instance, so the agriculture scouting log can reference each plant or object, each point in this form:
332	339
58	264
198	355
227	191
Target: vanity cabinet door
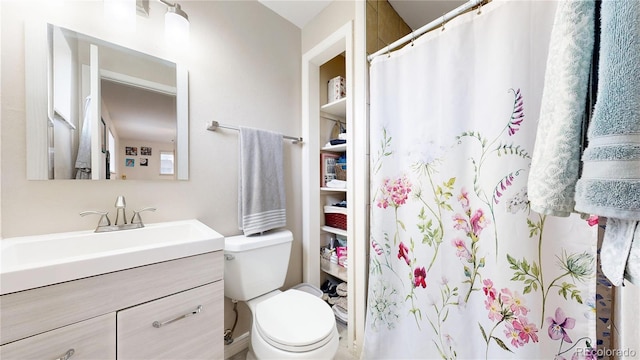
90	339
187	325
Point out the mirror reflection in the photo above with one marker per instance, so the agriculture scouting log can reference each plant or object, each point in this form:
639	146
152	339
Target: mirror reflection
131	131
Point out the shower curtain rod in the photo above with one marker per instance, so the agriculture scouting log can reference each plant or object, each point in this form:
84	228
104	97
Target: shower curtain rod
430	26
214	125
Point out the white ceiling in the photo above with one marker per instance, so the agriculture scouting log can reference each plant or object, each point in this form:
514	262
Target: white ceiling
415	13
298	12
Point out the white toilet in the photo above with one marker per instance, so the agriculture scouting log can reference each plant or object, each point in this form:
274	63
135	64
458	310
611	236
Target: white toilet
293	324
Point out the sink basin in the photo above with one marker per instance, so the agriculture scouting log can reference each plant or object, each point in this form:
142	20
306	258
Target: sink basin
33	261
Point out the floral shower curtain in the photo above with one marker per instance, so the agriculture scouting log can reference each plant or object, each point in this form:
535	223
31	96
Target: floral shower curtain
460	267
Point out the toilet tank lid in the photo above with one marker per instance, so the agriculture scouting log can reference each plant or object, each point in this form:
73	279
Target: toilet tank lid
244	243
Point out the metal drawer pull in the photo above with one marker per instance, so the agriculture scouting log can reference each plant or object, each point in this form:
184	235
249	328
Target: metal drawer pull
158	324
67	355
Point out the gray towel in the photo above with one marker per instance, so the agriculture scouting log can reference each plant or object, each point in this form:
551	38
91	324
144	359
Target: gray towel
555	163
261	194
610	181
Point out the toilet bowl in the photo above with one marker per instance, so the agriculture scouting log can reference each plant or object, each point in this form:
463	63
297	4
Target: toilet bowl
293	324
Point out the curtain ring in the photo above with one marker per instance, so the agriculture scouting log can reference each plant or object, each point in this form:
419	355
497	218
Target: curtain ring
413	36
443	21
480	8
388	49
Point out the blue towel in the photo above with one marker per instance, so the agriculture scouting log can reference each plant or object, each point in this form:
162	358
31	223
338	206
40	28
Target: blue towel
610	181
261	193
555	164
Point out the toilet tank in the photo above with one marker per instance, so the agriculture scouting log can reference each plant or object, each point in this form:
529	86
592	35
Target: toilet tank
255	265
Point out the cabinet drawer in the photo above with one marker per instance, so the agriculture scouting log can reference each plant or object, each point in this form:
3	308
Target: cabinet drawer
35	311
90	339
180	331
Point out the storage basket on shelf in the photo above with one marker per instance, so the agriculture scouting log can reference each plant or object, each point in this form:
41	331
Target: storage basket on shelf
341	171
335	216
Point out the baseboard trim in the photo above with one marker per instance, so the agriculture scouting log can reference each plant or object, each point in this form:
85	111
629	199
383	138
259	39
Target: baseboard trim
239	344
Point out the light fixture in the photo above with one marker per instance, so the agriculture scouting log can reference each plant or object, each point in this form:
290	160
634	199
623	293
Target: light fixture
121	14
176	24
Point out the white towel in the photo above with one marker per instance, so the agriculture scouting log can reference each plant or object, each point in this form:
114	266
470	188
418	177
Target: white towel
555	164
83	159
616	251
261	194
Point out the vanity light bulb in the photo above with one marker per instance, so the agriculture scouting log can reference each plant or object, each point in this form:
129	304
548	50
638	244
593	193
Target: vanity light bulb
176	29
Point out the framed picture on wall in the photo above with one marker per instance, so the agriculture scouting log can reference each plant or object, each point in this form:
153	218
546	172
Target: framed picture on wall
327	168
129	162
144	162
131	150
145	151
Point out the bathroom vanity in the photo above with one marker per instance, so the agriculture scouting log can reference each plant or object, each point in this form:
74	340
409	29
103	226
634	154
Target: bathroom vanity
169	309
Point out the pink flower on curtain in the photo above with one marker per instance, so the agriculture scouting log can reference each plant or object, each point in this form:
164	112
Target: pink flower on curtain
460	223
463	198
502	186
514	302
376	247
592	220
462	250
513	335
559	323
403	253
478	222
495	309
527	331
394	193
488	289
517	116
419	277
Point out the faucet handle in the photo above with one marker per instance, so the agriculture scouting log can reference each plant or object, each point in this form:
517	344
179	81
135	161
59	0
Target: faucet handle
136	219
104	219
120	202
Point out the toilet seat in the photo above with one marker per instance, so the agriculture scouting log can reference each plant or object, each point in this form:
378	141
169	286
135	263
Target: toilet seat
295	321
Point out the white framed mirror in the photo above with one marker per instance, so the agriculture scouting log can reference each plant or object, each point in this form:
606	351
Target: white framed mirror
142	112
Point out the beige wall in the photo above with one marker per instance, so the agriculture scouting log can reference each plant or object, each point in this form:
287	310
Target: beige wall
244	67
334	16
137	171
384	25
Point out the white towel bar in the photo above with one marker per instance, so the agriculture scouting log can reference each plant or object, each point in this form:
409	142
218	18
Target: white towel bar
214	125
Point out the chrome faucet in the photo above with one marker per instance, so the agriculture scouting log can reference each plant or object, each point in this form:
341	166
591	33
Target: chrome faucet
104	224
104	218
120	205
136	219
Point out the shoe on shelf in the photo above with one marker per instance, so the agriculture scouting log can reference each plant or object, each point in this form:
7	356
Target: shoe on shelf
341	301
341	289
325	286
328	290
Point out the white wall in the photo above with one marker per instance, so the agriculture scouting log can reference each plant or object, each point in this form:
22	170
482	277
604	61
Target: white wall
1	116
244	69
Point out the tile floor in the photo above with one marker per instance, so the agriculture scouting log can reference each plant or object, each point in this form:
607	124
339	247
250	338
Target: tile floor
344	353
